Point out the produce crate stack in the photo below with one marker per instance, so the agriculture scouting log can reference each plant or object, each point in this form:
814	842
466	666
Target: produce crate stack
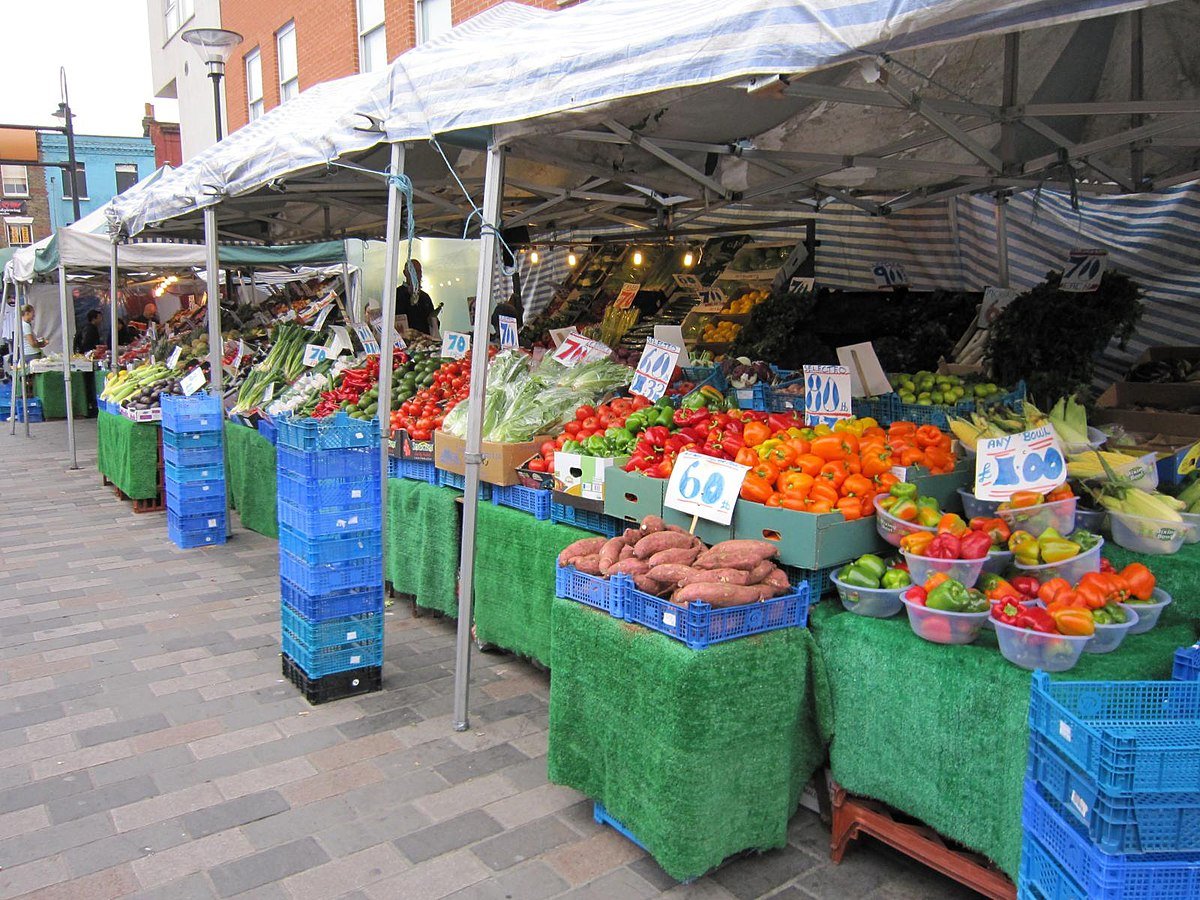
194	469
330	555
1112	794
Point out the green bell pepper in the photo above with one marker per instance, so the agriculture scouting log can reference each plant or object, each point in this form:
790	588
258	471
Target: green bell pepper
895	578
694	400
928	503
871	563
903	490
855	576
1085	539
949	596
636	422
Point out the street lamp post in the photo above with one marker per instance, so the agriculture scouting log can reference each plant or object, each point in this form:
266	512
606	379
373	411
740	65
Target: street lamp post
214	46
64	112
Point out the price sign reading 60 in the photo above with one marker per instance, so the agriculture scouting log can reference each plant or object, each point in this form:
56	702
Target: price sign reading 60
1031	461
705	487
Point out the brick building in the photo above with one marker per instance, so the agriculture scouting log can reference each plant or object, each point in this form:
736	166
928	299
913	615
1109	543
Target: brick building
24	206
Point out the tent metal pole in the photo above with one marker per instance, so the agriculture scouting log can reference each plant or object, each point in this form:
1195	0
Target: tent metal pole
66	351
114	350
18	362
212	277
493	193
388	337
1002	239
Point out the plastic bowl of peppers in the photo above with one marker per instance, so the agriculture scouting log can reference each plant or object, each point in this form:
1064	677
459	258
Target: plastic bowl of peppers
901	512
945	611
954	550
869	586
1034	512
1050	555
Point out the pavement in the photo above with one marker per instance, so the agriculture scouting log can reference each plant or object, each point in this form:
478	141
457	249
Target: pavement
150	748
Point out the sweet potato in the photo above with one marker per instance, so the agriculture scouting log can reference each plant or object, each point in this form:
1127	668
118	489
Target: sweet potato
584	547
647	585
651	524
678	529
735	555
778	579
660	540
717	576
684	556
632	535
760	572
610	553
719	594
588	565
631	566
626	553
670	573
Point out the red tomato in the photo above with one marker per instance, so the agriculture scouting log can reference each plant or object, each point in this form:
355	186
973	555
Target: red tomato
571	428
591	423
537	465
584	413
640	402
420	434
584	434
547	447
560	440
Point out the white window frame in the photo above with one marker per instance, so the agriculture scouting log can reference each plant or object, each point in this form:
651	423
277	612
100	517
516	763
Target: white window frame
125	169
289	86
23	221
5	190
255	106
176	14
369	32
419	17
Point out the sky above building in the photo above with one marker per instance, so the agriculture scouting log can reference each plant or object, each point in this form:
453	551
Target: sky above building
104	47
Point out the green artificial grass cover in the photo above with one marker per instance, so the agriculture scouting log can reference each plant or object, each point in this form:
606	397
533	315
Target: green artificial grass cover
127	455
48	387
421	543
515	555
1177	574
700	754
250	478
940	732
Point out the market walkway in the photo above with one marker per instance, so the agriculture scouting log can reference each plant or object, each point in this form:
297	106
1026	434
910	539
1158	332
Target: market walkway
148	746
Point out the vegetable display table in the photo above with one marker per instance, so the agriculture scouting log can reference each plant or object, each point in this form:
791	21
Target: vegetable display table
250	476
515	557
127	455
421	543
48	387
939	732
700	754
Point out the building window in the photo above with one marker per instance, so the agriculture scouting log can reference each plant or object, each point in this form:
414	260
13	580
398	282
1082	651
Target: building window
176	12
127	176
289	75
20	232
372	36
433	18
80	180
15	181
254	84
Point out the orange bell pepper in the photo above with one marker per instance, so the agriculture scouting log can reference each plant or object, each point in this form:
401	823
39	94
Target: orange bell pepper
928	436
1023	499
876	461
911	457
809	464
800	445
755	488
754	433
746	457
781	454
1062	492
834	472
1140	580
1096	589
794	484
799	504
829	448
885	480
850	507
818	506
952	523
899	428
917	542
857	486
934	580
776	499
1073	621
824	491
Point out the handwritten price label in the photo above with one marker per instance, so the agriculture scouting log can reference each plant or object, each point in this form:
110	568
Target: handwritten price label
1083	271
705	487
576	349
1032	461
629	290
508	333
654	369
192	381
314	354
889	275
366	337
827	392
455	344
173	359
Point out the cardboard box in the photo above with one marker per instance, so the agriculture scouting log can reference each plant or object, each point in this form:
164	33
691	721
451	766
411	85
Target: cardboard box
632	496
500	461
583	476
1157	354
577	502
807	540
1167	413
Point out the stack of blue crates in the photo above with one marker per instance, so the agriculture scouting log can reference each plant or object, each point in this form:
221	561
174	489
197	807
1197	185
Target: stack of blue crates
330	555
194	469
1112	794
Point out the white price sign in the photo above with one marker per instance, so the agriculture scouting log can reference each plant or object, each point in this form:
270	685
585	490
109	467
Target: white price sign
455	344
508	332
1083	271
192	381
705	487
827	393
654	369
366	337
576	349
889	275
321	317
173	359
314	353
1031	461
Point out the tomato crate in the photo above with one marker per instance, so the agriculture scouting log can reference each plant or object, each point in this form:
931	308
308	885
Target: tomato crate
185	503
699	625
534	501
328	493
267	429
331	604
185	473
196	531
337	686
1105	876
356	462
603	817
317	522
755	396
322	579
192	457
317	662
191	440
598	523
1132	736
349	545
1041	878
336	432
591	590
199	412
459	483
187	491
332	632
1187	664
417	470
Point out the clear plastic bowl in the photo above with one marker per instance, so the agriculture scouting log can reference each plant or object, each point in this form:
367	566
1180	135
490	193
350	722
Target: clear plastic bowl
1108	637
990	623
1071	569
973	506
1038	650
965	571
997	562
892	529
1148	613
1090	519
1096	440
1059	515
942	627
877	603
1143	535
1192	522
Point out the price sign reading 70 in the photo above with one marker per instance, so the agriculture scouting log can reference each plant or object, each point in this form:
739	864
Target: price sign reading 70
705	487
1031	461
455	344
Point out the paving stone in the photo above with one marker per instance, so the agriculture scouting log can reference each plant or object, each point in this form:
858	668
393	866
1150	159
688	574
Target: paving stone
623	883
151	763
757	874
20	880
351	871
169	865
102	734
191	887
126	847
232	813
43	791
584	860
49	841
56	725
524	842
165	806
107	884
384	721
265	777
76	806
481	762
432	880
358	834
442	838
266	867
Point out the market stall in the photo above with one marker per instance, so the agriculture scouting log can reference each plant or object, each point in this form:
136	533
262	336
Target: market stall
250	475
129	456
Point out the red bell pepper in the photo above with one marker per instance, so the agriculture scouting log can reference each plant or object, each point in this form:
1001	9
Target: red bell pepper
916	594
1036	618
1009	611
1106	566
944	546
1026	584
974	545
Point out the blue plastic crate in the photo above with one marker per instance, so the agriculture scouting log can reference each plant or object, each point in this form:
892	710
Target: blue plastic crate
199	412
332	632
417	470
534	501
336	432
1142	823
314	522
196	531
186	503
184	474
338	686
6	390
755	396
459	483
191	440
268	430
1133	736
394	467
1187	664
779	401
193	457
888	408
33	404
1104	876
322	661
817	580
599	523
698	625
358	462
187	491
333	604
592	590
350	545
328	493
1041	878
322	579
602	817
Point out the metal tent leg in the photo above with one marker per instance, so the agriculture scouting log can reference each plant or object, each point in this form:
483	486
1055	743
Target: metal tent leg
67	329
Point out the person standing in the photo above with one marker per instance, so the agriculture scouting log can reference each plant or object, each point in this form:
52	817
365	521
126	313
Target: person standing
31	344
88	338
413	302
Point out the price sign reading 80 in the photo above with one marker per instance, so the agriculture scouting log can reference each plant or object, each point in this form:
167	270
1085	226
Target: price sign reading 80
705	487
1031	461
826	394
654	369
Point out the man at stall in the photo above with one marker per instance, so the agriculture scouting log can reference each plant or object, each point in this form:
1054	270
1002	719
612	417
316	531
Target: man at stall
414	303
88	338
149	314
32	343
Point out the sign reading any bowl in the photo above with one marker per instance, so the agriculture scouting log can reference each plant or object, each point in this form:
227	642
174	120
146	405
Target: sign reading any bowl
1031	461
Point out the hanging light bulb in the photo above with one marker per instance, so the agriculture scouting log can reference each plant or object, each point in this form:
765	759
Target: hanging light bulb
689	258
637	257
533	256
572	259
